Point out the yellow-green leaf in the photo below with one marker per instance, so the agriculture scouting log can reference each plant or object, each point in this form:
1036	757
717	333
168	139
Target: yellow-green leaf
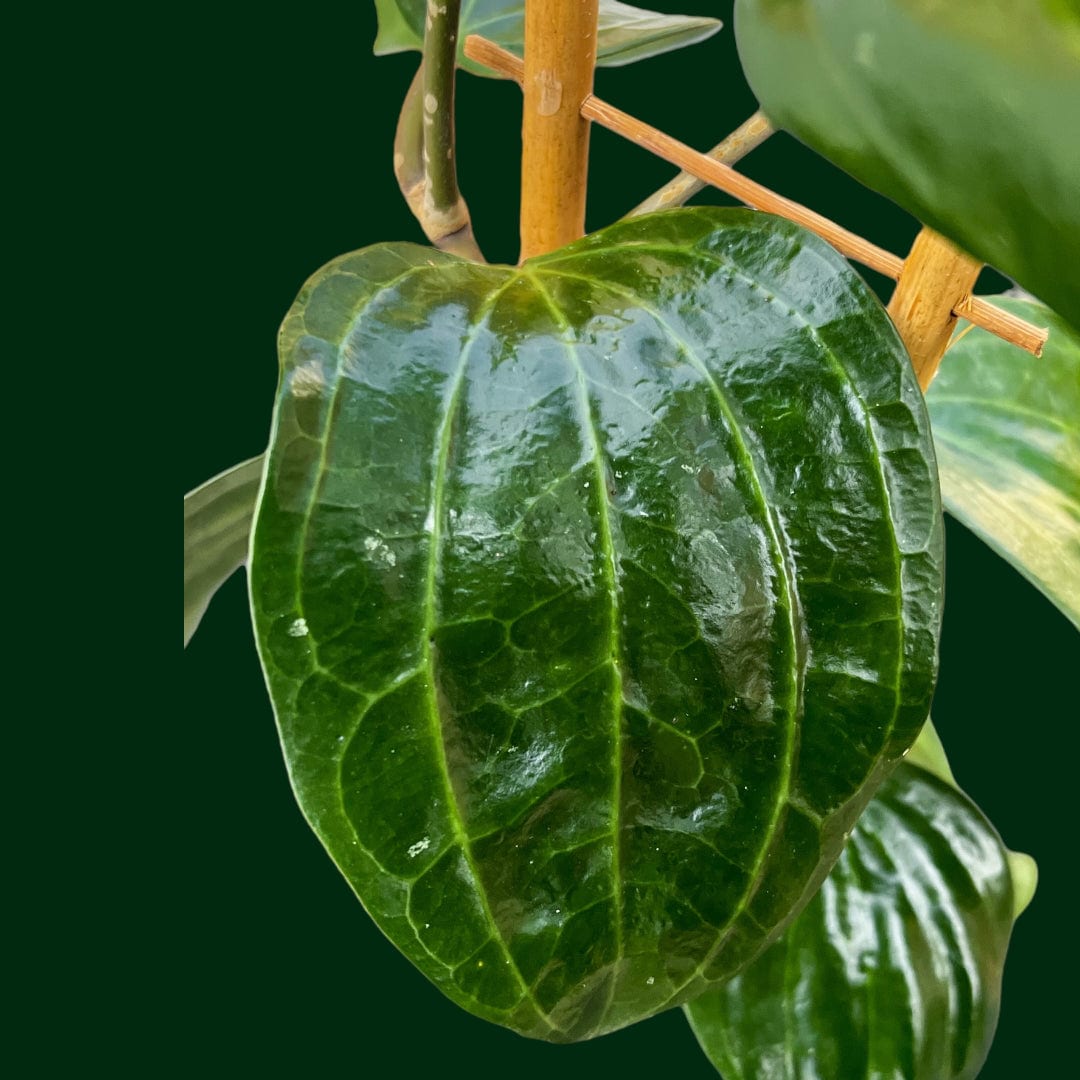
1007	434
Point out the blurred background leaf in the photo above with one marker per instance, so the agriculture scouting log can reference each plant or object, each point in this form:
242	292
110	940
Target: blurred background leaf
965	113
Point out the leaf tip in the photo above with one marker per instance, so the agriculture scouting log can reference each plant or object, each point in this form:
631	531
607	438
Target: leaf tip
1024	872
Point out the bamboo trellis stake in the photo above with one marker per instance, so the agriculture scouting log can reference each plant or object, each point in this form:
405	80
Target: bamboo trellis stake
557	76
919	284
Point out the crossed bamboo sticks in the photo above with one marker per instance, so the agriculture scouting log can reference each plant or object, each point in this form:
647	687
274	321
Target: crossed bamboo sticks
933	284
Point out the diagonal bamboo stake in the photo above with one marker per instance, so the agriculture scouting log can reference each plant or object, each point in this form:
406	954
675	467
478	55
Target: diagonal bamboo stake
974	308
749	135
557	76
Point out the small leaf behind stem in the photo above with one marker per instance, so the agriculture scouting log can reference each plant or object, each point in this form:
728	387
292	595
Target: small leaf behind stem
625	34
217	524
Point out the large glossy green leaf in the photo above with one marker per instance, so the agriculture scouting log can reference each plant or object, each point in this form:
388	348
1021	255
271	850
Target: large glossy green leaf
625	33
217	525
594	597
894	969
1007	432
965	113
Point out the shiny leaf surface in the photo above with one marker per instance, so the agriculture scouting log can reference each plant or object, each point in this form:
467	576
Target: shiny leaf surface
1007	433
963	113
217	525
594	597
894	969
624	34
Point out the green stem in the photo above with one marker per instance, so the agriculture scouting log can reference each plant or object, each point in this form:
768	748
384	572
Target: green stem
424	159
440	55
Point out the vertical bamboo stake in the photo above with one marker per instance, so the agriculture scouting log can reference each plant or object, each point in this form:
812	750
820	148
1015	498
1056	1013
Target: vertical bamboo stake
560	53
937	277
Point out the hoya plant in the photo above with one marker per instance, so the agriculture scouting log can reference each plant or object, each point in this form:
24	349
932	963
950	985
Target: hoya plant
599	591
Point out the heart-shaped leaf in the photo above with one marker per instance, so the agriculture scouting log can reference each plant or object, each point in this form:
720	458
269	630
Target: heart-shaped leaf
965	113
217	525
594	597
624	34
894	968
1007	433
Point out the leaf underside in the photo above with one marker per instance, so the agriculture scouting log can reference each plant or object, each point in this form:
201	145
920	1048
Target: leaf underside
625	34
894	968
594	597
964	113
217	525
1007	434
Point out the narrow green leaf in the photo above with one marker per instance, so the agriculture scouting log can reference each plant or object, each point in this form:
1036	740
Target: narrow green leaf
964	113
625	33
894	969
1007	433
594	598
217	524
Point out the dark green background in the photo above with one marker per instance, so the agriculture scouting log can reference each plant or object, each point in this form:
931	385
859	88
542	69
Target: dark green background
286	162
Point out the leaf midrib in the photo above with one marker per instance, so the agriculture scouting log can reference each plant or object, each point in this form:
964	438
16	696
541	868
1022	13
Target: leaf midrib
457	822
614	615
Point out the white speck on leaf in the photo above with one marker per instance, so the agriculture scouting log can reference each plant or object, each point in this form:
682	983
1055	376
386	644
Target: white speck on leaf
308	380
298	628
378	548
419	846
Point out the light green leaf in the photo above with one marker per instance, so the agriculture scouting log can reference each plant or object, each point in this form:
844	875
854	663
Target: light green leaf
894	969
594	597
964	113
625	33
929	754
1007	433
217	524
